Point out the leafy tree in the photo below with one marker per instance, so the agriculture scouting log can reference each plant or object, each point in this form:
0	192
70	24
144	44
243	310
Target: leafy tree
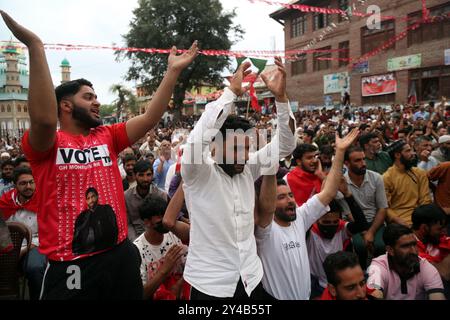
107	110
164	23
126	100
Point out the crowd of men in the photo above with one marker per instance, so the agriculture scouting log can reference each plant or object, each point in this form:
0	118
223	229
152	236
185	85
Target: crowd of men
321	204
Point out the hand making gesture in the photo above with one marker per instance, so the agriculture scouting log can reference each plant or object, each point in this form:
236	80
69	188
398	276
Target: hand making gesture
238	77
277	84
179	63
344	143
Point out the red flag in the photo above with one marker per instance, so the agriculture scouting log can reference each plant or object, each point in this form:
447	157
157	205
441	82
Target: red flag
254	98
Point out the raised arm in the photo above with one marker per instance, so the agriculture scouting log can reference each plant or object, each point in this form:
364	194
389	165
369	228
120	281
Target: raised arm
138	126
284	142
209	125
179	228
42	105
267	201
334	177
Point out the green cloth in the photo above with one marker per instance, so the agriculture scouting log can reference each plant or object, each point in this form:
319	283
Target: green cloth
380	163
260	64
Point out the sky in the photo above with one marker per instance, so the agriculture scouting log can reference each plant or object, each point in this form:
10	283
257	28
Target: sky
103	22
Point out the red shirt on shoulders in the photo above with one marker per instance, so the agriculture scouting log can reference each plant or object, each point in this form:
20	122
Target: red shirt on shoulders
433	253
303	185
63	174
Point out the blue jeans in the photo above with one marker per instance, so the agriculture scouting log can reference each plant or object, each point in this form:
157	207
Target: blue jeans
34	264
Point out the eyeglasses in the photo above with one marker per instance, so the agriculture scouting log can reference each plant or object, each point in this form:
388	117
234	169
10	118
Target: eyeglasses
24	183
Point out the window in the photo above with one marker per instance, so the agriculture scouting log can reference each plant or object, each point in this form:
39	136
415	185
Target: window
373	39
344	53
321	20
3	108
299	66
25	108
319	64
19	108
298	26
429	31
8	108
431	84
342	5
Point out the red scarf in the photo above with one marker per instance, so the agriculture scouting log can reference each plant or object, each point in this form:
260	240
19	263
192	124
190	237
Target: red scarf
9	204
444	250
303	185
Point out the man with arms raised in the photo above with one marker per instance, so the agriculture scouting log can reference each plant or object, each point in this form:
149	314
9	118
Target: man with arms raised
82	155
220	193
281	238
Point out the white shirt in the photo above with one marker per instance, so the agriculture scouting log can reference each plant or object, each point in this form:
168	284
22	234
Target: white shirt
319	248
284	253
153	255
222	246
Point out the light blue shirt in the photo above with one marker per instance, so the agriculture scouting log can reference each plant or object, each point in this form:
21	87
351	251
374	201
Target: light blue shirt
160	178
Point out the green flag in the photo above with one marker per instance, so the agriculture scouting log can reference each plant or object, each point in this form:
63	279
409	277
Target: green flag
259	64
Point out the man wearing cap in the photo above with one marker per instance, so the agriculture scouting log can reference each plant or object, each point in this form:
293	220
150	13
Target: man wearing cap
406	186
5	156
442	154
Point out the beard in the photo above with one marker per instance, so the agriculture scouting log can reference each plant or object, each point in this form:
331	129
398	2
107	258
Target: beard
407	163
83	117
359	171
431	240
232	169
409	261
446	152
27	194
309	169
281	214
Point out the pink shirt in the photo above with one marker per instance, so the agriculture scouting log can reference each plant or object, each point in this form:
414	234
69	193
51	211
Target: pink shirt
418	287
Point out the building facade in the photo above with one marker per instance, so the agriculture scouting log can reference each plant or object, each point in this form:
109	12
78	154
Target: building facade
417	66
14	86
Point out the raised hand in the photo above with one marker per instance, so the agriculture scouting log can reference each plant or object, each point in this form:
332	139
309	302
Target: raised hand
179	63
277	85
21	33
238	77
344	143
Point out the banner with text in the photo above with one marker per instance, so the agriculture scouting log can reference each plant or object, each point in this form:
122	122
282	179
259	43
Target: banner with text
379	85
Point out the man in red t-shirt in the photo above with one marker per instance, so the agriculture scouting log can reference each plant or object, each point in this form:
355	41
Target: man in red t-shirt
303	180
345	277
433	244
80	156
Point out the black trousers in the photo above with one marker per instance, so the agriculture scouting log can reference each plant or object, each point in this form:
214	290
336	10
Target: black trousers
111	275
240	294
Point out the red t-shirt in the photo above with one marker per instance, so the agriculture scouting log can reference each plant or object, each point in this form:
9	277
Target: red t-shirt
303	185
68	230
